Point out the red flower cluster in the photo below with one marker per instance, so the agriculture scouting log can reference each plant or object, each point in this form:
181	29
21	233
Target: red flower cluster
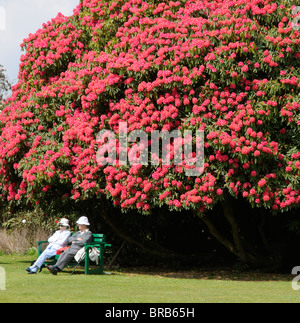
230	68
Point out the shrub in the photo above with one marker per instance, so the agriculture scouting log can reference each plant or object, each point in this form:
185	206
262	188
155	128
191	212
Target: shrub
230	68
21	241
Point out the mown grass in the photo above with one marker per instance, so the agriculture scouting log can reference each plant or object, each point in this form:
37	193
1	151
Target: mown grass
141	287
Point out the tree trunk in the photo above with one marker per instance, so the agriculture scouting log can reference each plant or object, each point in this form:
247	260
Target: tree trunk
239	246
154	248
230	216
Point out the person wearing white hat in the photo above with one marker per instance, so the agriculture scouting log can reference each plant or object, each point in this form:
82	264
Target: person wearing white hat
77	241
56	241
83	221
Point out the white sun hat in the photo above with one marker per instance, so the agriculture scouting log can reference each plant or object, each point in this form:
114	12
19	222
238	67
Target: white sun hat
64	222
83	220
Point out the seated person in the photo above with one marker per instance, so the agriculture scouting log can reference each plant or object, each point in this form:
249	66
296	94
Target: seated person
57	241
84	235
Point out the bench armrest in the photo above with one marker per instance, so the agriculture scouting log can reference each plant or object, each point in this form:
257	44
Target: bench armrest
40	246
96	244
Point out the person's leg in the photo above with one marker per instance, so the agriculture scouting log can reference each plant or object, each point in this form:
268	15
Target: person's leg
47	254
63	260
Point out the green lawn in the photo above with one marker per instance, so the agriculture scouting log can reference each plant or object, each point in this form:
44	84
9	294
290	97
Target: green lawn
134	287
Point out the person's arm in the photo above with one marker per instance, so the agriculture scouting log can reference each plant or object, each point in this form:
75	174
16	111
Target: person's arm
88	237
64	239
73	238
85	238
53	237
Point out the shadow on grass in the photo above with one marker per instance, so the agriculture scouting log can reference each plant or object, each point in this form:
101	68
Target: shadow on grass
209	274
80	273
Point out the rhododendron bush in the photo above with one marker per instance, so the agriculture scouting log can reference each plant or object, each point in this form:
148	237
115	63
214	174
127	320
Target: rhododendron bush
229	68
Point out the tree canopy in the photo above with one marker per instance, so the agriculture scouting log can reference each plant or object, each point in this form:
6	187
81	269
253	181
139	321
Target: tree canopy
229	68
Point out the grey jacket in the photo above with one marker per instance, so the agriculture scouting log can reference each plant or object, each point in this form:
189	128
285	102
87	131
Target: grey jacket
86	237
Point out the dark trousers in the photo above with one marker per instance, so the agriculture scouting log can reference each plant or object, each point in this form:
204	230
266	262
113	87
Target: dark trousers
66	257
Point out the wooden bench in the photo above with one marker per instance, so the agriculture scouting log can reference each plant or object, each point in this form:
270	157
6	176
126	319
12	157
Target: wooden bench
99	241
